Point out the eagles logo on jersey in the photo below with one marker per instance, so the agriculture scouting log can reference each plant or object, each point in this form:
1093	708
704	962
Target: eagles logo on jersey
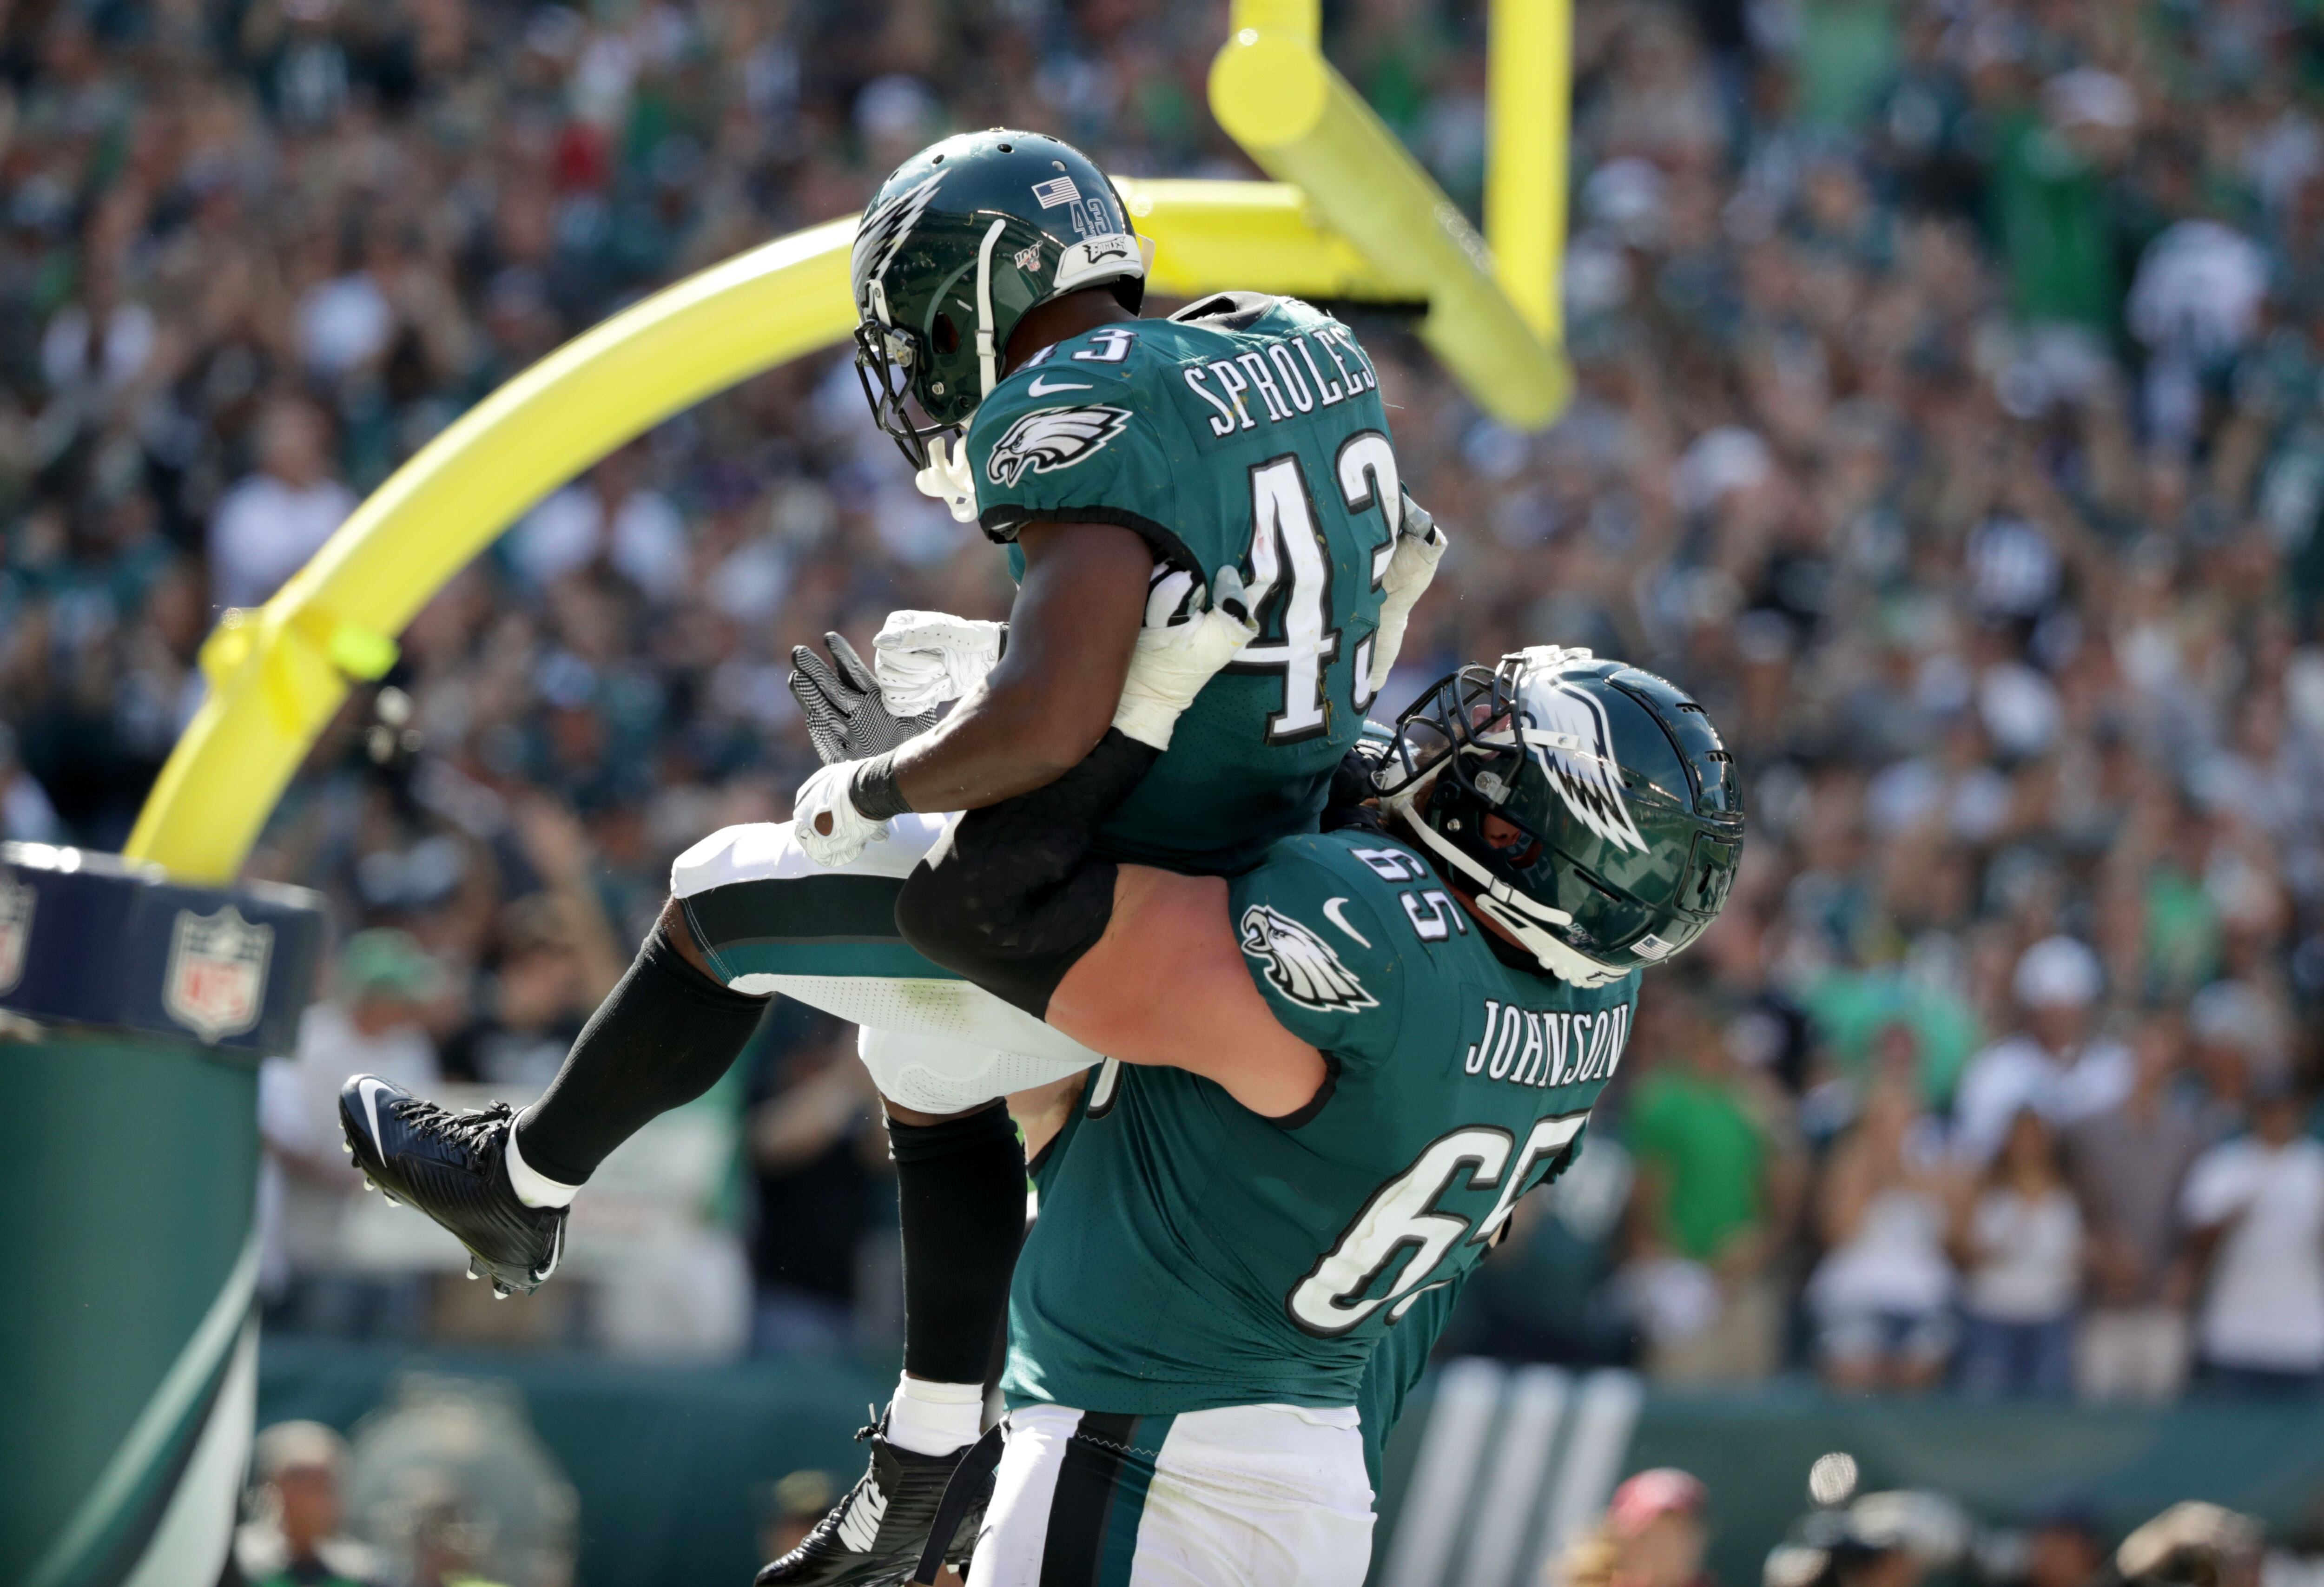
1052	439
1301	964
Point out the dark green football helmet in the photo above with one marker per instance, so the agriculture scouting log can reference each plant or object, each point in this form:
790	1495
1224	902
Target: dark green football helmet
1625	820
960	242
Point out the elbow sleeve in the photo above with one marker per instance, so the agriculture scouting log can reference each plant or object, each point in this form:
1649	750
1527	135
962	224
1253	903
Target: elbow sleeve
1015	898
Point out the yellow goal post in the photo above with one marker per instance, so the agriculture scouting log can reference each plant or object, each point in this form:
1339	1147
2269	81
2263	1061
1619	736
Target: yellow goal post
1351	216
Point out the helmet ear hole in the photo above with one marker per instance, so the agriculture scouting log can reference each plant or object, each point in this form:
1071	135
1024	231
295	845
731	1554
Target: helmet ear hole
946	334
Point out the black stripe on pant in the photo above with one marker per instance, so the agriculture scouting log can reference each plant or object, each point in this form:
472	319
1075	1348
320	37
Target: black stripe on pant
1089	1477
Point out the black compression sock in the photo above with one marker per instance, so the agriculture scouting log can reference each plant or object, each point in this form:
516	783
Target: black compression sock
663	1037
960	1188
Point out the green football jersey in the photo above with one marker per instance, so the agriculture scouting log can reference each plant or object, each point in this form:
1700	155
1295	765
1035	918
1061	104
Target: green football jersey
1247	431
1397	1367
1398	1363
1191	1254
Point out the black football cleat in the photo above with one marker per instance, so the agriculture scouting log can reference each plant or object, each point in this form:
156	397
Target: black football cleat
449	1167
874	1538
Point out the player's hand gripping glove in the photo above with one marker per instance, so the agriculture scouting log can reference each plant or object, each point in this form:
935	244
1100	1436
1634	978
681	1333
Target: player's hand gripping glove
924	658
849	724
1175	657
1419	547
831	831
846	716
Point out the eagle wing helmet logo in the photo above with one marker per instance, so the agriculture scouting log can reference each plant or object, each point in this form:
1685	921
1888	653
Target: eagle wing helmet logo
1300	963
881	235
1052	439
1567	731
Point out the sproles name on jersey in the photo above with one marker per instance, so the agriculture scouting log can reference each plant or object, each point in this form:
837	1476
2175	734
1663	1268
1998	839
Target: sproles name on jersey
1248	430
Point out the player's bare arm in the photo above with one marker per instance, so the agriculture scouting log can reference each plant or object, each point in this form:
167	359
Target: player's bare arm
1147	964
1048	702
1049	698
1168	984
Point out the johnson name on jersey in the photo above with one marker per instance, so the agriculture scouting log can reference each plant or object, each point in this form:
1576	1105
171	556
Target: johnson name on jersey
1246	430
1193	1254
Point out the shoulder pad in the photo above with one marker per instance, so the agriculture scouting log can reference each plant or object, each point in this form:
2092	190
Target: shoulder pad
1366	857
1228	311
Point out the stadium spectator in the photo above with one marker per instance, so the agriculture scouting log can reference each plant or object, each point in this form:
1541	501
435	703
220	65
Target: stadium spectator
1946	418
2066	1546
2128	1165
813	1147
2195	1541
381	988
2019	1239
557	958
26	816
612	520
2235	1047
1541	1294
1652	1535
294	1537
1882	1297
1716	1186
272	523
2054	1065
531	1007
789	1509
2254	1210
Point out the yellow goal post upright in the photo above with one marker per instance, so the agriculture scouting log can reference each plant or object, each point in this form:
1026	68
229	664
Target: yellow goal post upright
1351	216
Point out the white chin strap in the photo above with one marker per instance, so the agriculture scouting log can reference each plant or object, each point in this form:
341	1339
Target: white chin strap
988	356
948	478
1523	918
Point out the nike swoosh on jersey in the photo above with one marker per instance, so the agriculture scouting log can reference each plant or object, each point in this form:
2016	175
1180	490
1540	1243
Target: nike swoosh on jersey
1036	388
1332	912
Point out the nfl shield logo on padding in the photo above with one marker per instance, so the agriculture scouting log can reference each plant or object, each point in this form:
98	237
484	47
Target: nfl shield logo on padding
15	930
215	983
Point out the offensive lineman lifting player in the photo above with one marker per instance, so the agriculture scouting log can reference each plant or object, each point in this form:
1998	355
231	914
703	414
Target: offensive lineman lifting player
1229	465
1120	461
1446	985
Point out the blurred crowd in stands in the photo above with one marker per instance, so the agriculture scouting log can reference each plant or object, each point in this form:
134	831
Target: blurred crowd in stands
1949	419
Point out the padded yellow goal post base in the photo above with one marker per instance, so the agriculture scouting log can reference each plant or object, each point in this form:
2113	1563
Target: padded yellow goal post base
1353	216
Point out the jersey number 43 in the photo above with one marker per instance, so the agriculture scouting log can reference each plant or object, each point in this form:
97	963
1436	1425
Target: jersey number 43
1289	554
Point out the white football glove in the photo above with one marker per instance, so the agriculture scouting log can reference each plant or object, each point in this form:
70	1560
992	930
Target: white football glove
1419	547
825	794
923	659
1173	662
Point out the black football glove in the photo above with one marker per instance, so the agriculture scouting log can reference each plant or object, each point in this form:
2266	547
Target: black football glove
844	714
1355	796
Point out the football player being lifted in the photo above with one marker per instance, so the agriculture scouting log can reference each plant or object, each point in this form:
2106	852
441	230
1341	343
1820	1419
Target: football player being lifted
1331	1077
1118	461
